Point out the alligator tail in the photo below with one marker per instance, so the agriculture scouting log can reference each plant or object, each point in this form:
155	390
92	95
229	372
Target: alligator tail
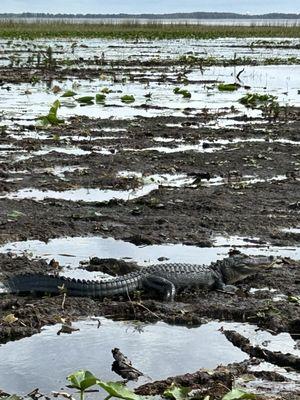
40	283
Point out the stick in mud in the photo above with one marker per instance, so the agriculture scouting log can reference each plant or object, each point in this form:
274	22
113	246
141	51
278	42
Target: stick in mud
278	358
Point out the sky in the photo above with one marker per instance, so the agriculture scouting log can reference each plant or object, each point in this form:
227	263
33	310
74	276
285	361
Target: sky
148	6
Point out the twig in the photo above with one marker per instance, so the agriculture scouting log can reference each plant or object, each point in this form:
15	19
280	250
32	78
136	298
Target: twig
239	74
64	300
146	308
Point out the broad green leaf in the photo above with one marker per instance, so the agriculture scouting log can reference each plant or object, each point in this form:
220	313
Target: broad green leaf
82	380
55	106
177	392
237	394
228	87
86	100
100	98
69	93
119	390
185	93
51	118
127	99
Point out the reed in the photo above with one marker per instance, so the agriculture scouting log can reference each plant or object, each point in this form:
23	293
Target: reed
135	30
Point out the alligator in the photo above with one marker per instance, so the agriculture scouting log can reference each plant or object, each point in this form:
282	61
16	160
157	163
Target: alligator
163	278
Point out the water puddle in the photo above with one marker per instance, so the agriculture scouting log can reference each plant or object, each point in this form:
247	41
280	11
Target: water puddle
72	251
158	350
291	230
82	194
219	123
70	150
61	172
46	150
171	180
206	146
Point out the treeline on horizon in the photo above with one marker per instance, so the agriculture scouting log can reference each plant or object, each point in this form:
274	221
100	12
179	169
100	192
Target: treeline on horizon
192	15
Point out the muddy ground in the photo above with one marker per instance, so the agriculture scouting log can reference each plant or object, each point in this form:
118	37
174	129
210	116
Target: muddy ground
192	214
189	214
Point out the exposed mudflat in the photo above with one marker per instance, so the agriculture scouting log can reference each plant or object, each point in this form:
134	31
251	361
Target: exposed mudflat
162	170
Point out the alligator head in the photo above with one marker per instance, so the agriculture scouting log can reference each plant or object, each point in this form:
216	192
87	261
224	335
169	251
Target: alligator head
239	267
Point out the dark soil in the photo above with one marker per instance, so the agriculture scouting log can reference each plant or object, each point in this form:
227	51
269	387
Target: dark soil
235	208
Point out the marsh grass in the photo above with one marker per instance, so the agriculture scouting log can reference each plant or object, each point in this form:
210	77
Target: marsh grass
134	30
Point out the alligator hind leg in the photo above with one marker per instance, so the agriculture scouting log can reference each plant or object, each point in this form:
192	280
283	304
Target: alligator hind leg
161	285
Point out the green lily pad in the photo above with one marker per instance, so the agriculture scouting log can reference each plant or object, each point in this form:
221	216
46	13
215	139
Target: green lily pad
119	390
68	93
228	87
82	380
128	99
100	98
86	100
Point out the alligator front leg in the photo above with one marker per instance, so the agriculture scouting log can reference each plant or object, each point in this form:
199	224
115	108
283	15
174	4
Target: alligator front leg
161	285
225	288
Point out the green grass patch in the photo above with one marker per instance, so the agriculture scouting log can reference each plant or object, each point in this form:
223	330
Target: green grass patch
152	30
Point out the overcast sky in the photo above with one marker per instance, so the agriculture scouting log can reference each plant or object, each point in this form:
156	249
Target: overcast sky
149	6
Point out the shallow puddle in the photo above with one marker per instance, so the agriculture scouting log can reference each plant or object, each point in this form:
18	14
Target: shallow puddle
292	230
82	194
158	350
206	146
71	251
171	180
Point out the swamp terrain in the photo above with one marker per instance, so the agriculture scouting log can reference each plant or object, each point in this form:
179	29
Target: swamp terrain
116	154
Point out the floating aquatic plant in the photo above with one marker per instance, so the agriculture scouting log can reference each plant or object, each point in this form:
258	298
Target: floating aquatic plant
68	93
265	102
100	98
228	87
255	100
185	93
51	118
128	99
86	100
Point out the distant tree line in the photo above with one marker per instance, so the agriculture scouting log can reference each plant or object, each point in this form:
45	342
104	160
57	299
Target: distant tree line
193	15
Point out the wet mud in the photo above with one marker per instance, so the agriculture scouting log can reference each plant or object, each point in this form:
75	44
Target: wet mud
212	172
